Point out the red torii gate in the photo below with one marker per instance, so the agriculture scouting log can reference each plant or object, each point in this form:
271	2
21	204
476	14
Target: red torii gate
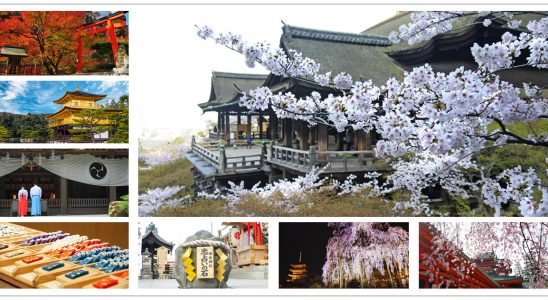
106	24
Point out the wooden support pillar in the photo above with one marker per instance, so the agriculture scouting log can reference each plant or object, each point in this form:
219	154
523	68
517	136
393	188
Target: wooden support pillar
239	122
303	136
248	132
220	122
322	137
261	125
312	134
368	140
287	132
64	196
112	194
222	160
340	142
360	140
273	120
227	127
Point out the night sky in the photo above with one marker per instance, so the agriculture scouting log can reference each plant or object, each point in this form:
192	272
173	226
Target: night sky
311	239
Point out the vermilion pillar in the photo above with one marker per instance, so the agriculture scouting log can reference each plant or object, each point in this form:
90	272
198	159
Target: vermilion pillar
112	37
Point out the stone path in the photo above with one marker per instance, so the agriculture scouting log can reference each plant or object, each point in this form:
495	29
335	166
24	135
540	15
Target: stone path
232	283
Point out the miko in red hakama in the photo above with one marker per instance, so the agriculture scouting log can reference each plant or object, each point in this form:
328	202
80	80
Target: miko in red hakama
22	209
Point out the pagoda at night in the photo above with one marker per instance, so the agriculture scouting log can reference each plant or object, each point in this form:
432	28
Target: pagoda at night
298	273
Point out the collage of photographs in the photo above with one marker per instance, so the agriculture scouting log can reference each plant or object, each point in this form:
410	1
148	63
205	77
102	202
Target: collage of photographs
273	150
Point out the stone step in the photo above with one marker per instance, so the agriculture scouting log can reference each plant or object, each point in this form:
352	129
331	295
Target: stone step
250	273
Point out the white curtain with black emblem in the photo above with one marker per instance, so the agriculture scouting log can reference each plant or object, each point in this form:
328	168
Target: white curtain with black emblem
88	169
9	165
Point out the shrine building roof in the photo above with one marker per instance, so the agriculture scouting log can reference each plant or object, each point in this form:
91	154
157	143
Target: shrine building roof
226	88
153	240
79	95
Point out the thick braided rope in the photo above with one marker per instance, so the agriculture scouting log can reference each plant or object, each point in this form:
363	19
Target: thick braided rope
206	243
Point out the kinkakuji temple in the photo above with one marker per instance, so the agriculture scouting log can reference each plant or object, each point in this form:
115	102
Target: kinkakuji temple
73	181
486	270
255	146
67	119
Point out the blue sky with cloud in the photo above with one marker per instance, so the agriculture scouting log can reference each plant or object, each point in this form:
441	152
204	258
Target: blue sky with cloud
36	97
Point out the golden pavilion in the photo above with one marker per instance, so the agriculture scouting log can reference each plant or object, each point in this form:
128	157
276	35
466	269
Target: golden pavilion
74	102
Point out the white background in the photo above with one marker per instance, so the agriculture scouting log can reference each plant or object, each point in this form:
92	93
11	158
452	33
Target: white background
161	83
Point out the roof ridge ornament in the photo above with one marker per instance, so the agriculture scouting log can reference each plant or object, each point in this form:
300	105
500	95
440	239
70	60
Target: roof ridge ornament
335	36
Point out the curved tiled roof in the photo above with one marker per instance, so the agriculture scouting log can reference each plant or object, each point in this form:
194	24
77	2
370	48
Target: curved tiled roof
226	87
361	56
78	93
152	238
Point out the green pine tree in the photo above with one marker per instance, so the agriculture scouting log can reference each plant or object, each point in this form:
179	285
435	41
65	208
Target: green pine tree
4	133
121	131
88	125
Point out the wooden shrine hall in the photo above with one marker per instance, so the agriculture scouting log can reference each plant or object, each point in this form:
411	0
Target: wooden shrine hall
12	64
234	122
62	195
150	244
285	148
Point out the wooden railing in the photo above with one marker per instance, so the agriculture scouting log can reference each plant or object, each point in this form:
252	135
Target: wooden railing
21	70
298	159
5	203
337	161
209	156
57	122
241	163
301	160
210	145
88	202
221	162
216	136
82	105
54	202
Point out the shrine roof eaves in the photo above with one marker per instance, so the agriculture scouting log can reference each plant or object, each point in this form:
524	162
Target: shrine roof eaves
161	241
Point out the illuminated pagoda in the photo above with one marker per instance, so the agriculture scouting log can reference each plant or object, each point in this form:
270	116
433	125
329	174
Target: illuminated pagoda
67	118
298	272
486	271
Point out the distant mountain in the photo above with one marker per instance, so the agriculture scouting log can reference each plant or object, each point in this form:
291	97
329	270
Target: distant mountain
27	125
